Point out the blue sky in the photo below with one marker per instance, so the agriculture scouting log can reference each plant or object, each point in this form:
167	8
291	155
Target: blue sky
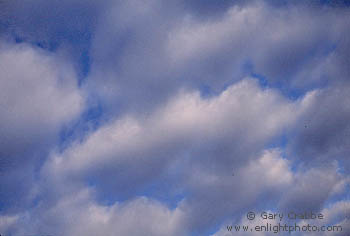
172	117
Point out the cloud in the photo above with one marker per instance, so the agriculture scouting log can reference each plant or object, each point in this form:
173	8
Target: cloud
193	143
206	129
218	196
183	138
336	214
79	214
276	41
325	182
258	221
38	95
322	132
143	60
6	222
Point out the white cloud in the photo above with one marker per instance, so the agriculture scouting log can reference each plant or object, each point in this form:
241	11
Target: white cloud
182	137
325	182
243	115
38	94
280	43
147	63
6	222
79	214
192	38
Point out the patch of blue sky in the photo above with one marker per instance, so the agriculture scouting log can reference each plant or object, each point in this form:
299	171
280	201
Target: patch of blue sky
88	122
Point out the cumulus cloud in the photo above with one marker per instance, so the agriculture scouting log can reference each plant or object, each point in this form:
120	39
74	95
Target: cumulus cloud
38	95
297	199
200	112
324	182
79	214
322	133
270	38
218	196
286	45
78	211
193	142
222	130
36	91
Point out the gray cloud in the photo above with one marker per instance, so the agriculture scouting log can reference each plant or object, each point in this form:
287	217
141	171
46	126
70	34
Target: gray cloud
324	182
206	129
178	114
193	142
38	94
322	133
79	214
144	54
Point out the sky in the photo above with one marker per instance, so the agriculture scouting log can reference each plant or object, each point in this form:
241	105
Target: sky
173	117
